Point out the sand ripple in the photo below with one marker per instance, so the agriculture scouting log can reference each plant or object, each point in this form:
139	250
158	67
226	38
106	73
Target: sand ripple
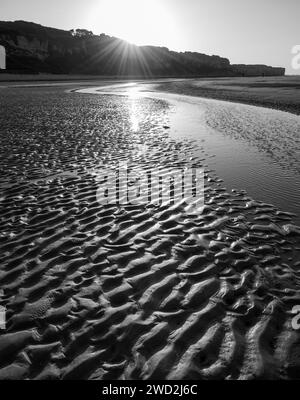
136	292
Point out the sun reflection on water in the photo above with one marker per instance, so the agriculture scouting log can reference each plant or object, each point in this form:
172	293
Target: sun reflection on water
133	94
134	120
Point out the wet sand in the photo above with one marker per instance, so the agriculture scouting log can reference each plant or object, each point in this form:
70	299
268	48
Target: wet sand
143	292
279	92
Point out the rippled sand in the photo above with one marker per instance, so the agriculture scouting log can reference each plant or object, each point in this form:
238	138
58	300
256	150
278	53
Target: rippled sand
143	292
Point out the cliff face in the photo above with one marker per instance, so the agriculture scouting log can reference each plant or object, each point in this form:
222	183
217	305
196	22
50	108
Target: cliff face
257	70
34	48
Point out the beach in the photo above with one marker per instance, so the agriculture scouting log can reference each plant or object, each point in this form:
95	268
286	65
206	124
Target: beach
145	291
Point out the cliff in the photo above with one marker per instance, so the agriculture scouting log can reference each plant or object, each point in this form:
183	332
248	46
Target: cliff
257	70
34	48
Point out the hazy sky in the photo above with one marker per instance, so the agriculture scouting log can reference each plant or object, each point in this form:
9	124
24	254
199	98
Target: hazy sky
245	31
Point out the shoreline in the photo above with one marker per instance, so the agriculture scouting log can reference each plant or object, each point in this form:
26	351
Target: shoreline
278	93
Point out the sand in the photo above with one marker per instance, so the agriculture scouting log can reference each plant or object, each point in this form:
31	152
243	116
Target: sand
136	291
281	93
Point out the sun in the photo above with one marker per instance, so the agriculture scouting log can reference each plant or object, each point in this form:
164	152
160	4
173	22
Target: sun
136	21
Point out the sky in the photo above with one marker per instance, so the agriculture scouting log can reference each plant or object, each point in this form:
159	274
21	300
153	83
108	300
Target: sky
245	31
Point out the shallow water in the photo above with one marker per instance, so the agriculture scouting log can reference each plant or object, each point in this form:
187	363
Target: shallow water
250	148
266	175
